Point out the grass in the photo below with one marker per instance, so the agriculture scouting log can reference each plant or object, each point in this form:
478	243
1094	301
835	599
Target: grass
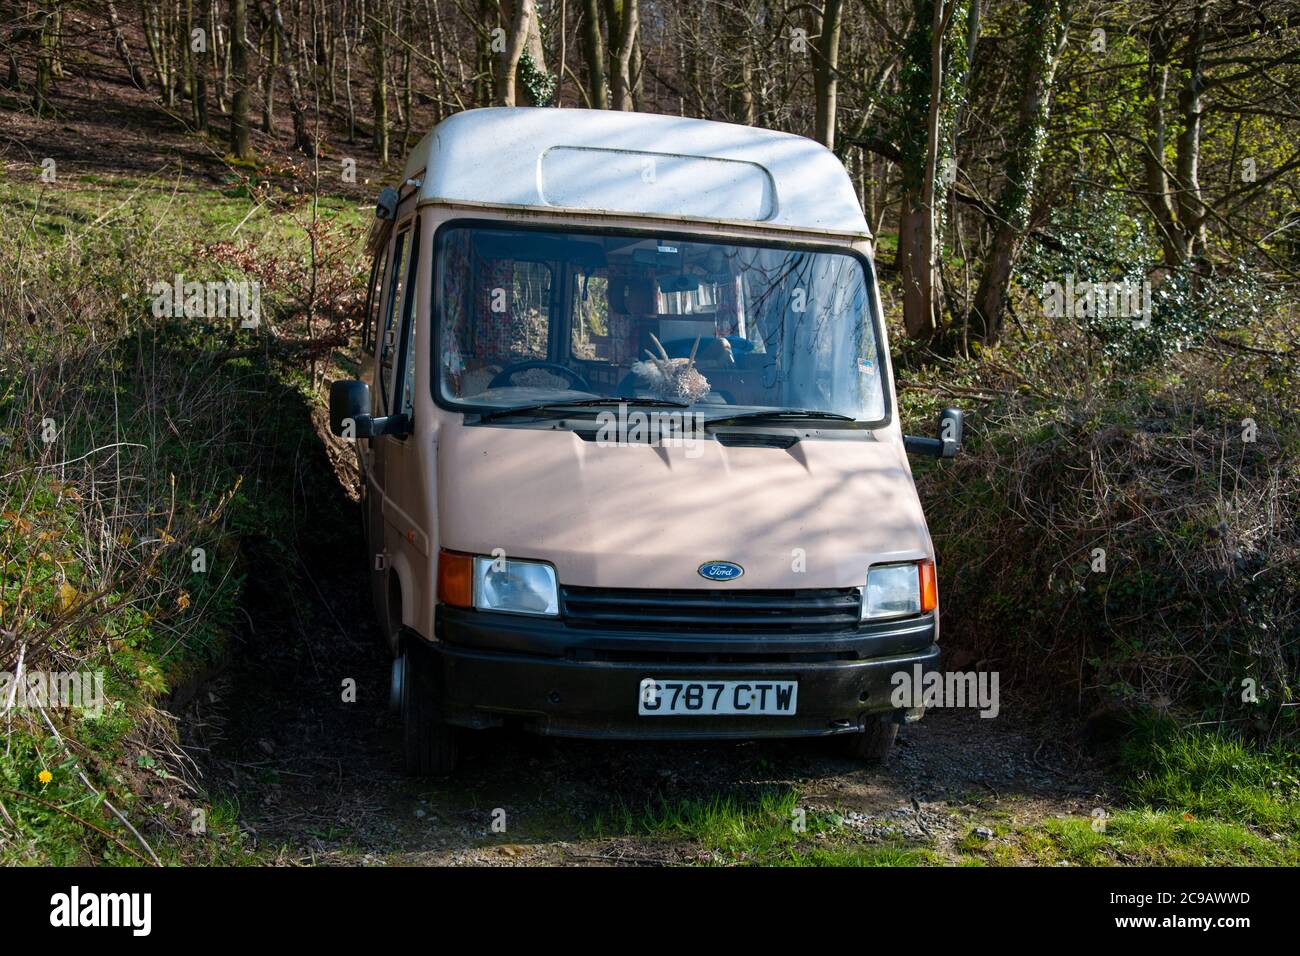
766	828
1137	837
160	449
1190	798
1208	774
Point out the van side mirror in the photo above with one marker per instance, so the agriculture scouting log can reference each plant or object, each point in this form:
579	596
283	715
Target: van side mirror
350	413
386	204
348	400
951	426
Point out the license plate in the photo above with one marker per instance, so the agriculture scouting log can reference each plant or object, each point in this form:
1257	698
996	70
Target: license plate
669	697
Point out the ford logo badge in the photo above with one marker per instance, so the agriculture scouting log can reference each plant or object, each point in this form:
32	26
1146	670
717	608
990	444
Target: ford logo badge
720	571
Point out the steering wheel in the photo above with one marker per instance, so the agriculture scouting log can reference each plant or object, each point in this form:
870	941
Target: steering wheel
503	378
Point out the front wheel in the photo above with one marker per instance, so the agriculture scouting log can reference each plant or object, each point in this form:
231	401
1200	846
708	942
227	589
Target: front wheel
874	743
429	743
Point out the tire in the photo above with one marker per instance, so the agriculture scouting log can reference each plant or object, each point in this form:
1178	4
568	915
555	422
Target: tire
429	744
873	744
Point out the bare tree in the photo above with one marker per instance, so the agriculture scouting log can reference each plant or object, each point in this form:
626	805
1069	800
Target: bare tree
379	90
199	45
239	144
826	71
516	38
302	139
594	52
122	47
926	111
1038	69
623	19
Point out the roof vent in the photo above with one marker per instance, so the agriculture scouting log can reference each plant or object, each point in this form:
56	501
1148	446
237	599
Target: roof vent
636	181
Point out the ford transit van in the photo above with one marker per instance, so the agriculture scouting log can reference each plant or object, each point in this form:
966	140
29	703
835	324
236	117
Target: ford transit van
630	450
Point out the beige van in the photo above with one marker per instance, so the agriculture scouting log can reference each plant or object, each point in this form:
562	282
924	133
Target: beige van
631	457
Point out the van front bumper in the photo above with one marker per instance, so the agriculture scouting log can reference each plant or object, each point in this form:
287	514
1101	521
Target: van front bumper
582	682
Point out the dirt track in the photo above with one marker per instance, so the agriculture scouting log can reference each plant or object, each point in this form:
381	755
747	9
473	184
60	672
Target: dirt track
318	779
336	795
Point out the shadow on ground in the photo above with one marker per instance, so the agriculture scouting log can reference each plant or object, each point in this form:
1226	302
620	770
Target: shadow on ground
319	779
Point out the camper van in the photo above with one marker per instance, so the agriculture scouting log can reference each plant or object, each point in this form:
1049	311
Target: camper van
630	450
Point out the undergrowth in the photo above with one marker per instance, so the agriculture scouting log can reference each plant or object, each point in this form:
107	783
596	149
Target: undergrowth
139	454
1124	540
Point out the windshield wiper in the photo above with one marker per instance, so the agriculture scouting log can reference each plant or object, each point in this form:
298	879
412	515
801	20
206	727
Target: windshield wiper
782	414
577	403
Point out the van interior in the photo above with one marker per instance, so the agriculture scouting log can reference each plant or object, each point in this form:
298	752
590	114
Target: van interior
534	315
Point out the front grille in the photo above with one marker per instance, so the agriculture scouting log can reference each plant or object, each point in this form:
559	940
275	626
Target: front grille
741	612
639	656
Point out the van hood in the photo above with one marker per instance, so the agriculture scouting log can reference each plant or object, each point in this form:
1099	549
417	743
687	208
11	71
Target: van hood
815	515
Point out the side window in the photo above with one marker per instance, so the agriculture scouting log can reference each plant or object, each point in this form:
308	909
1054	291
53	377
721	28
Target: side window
590	317
407	363
532	307
370	331
388	340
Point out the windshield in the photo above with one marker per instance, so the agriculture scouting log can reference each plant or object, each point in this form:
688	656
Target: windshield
531	317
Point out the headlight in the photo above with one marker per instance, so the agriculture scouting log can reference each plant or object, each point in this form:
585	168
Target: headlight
519	587
897	590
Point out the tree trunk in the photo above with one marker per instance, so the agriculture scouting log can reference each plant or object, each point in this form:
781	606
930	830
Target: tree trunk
928	104
199	89
302	139
1042	53
185	76
1157	196
535	84
1191	208
918	264
622	17
123	50
559	72
825	66
379	95
220	62
155	39
484	87
407	118
516	39
347	85
594	51
239	79
638	68
268	83
918	269
44	61
746	93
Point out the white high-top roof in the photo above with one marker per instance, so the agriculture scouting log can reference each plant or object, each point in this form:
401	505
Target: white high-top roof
635	164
